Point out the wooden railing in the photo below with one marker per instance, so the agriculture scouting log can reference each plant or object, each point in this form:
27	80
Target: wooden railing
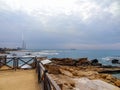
47	83
16	62
45	79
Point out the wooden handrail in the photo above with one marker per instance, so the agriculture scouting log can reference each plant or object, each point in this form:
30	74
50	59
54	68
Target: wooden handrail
45	79
41	66
54	84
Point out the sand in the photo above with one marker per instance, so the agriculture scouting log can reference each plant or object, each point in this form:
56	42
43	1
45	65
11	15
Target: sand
19	80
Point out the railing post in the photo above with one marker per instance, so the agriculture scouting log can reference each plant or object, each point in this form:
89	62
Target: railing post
0	63
35	60
5	59
38	71
15	63
46	83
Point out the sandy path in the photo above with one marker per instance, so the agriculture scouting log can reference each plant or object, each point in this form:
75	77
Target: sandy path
18	80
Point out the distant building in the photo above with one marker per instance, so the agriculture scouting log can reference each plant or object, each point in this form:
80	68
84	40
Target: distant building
23	44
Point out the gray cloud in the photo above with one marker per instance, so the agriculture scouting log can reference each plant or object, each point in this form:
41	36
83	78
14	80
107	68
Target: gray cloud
100	30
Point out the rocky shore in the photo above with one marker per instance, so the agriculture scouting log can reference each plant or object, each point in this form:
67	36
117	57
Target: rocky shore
6	50
66	72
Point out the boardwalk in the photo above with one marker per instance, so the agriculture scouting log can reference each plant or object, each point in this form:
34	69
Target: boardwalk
19	80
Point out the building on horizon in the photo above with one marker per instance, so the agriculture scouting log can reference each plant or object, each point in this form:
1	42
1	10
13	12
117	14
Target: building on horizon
23	45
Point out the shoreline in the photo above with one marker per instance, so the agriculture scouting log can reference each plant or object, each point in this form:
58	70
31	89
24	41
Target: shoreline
64	69
69	73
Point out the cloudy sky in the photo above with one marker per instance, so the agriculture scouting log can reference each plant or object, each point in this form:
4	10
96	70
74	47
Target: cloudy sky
63	24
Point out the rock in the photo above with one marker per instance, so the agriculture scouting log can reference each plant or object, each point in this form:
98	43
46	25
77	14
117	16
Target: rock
54	69
56	59
108	77
115	61
65	82
103	76
72	84
63	61
94	62
117	83
71	62
82	61
111	78
64	72
68	61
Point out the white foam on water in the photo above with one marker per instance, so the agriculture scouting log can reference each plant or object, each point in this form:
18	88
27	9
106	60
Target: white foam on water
44	53
36	53
110	58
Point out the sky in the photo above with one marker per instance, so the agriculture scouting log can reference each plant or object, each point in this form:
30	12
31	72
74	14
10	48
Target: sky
60	24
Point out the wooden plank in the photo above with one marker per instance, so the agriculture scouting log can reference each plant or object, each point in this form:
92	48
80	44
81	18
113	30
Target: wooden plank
53	83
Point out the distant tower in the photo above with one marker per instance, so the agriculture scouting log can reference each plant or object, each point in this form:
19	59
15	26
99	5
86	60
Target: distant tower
23	42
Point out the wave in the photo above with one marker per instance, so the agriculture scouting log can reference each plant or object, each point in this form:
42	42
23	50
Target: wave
44	53
35	53
109	58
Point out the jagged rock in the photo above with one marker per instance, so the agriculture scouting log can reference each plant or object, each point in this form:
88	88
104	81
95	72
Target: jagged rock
67	73
111	78
103	76
63	61
108	77
82	61
115	61
71	62
65	82
63	73
95	62
117	83
54	69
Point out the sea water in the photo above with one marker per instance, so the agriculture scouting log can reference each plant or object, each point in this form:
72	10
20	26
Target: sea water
104	56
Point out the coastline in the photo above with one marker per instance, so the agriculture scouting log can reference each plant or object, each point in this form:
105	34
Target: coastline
65	73
70	73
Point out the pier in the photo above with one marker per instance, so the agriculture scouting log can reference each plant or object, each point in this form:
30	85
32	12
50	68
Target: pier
24	73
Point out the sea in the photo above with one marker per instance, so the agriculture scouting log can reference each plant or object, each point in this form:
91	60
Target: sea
104	56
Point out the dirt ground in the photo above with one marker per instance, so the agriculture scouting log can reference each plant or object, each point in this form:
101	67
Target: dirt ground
19	80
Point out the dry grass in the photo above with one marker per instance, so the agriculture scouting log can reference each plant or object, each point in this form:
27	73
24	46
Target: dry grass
18	80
